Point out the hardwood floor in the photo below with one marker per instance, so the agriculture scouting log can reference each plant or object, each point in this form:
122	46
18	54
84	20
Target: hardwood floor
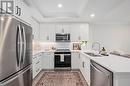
61	78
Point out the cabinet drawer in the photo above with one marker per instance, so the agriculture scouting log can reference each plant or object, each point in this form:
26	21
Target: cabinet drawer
36	64
36	70
37	55
36	61
36	58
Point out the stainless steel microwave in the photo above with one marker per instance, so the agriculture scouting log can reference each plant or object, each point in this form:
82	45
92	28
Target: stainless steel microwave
62	37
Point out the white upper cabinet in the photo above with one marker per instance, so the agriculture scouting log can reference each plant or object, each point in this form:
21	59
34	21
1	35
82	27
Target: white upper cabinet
84	31
62	28
75	32
47	32
36	30
21	10
79	32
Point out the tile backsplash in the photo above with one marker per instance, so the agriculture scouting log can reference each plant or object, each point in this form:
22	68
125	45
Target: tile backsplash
63	45
36	46
45	46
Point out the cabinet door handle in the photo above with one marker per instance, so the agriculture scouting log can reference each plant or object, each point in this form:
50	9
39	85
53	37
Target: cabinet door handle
62	30
83	64
40	55
37	70
37	62
34	57
19	9
47	38
79	38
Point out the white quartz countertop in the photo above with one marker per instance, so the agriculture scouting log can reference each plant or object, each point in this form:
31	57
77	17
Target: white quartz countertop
116	64
51	51
36	52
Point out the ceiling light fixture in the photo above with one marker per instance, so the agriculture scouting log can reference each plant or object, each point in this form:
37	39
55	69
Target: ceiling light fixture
92	15
60	5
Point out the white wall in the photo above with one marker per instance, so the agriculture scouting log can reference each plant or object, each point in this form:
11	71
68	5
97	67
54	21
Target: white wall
112	36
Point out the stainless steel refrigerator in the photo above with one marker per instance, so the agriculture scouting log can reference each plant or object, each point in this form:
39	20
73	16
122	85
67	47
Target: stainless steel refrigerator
15	52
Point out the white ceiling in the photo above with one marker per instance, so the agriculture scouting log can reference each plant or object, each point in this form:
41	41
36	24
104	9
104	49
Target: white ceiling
104	10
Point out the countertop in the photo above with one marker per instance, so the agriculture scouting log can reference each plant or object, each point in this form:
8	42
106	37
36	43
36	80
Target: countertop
36	52
49	51
116	64
42	51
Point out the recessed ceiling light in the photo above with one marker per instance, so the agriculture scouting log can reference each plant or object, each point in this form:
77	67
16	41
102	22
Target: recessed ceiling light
92	15
60	5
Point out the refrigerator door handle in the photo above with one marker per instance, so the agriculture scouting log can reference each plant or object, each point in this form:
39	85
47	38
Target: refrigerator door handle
24	43
18	45
21	45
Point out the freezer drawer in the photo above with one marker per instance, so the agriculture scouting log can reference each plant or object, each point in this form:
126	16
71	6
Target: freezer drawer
100	76
24	78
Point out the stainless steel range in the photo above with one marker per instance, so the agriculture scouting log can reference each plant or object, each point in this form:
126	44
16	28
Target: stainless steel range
62	59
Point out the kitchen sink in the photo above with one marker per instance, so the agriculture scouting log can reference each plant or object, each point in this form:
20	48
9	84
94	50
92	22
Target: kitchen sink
92	54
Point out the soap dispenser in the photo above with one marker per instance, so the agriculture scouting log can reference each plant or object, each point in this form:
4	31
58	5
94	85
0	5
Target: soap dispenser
103	52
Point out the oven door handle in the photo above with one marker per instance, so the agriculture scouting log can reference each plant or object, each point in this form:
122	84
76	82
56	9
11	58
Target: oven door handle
58	54
67	54
64	54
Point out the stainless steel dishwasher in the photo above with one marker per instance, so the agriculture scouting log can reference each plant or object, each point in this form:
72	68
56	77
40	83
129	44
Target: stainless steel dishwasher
100	76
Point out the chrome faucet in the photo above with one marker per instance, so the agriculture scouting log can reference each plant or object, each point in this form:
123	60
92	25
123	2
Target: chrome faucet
93	44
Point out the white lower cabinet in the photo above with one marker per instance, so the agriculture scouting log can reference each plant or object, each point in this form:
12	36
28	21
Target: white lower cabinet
87	70
75	60
85	67
48	60
36	61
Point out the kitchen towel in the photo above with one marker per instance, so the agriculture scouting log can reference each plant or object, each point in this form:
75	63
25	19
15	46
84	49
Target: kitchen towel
62	57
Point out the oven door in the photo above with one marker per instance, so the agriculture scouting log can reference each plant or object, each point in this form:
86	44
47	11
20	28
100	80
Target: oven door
62	60
58	62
